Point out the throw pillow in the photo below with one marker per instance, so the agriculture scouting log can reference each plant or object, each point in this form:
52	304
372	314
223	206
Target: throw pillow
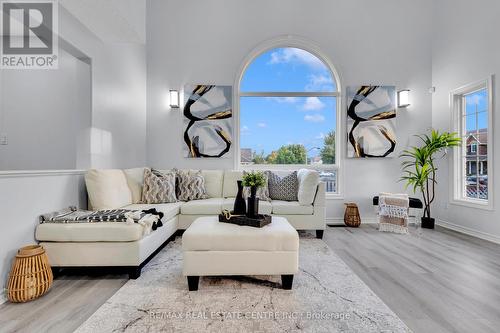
190	185
262	192
285	188
308	185
159	187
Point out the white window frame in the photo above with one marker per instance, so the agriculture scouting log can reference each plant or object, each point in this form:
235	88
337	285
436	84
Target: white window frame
295	42
457	183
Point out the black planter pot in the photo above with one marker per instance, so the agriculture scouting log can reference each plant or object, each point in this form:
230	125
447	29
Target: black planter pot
427	222
240	206
253	203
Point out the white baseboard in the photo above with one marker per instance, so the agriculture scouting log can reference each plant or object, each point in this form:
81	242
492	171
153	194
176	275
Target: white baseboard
468	231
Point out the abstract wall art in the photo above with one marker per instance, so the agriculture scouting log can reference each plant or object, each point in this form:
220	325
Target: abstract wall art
208	123
371	121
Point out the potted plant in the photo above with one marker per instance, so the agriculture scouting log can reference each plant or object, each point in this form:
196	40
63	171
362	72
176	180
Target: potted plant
254	180
419	168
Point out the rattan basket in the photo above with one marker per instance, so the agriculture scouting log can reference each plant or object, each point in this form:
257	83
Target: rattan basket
31	275
351	215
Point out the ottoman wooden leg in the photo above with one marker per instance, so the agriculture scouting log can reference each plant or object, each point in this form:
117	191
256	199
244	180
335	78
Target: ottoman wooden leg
193	282
319	234
287	281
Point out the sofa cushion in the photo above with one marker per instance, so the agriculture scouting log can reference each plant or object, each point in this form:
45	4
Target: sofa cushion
107	189
159	187
135	181
230	187
211	206
283	188
89	232
169	210
213	182
308	185
291	208
265	207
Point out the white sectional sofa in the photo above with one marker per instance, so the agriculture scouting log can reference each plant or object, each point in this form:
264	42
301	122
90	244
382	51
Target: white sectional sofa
124	245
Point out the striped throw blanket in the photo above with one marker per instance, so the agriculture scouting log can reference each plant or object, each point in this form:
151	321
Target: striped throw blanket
74	215
393	212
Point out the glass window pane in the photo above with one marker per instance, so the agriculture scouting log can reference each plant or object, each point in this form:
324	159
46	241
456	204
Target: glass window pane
482	121
298	130
287	70
476	101
470	123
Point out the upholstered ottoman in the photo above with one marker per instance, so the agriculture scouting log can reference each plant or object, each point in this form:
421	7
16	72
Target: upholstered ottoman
213	248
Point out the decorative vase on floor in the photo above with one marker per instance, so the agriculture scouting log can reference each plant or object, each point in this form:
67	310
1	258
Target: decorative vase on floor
253	202
427	222
31	275
351	215
240	206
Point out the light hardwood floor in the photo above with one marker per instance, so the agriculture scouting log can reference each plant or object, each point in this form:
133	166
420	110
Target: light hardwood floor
435	281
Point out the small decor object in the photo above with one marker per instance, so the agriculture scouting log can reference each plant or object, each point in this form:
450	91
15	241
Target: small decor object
258	221
31	275
351	215
240	206
254	180
262	192
208	124
419	168
283	188
393	212
371	125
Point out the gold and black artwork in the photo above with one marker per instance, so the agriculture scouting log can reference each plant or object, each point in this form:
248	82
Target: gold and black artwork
371	121
207	121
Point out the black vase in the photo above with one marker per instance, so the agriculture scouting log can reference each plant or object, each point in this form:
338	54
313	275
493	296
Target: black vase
253	203
240	206
427	222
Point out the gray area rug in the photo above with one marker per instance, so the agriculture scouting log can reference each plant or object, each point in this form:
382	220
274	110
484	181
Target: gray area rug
326	297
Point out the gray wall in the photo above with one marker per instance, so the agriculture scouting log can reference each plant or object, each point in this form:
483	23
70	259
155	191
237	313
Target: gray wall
465	50
118	138
378	42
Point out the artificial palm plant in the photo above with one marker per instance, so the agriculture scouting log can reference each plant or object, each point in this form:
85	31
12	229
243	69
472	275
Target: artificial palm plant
419	168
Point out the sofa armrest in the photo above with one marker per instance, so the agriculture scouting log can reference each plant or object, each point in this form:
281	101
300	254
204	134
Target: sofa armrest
319	199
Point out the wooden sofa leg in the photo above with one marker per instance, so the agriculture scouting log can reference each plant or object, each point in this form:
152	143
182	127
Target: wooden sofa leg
287	281
319	234
193	282
134	272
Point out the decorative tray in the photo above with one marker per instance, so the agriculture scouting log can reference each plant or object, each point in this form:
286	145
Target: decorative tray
258	221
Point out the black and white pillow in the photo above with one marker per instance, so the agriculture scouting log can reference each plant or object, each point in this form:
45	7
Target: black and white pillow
283	188
159	187
190	185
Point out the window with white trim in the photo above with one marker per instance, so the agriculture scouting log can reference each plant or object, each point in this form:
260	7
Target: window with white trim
473	122
288	102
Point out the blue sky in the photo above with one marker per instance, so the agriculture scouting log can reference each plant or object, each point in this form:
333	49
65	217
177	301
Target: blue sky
267	123
477	100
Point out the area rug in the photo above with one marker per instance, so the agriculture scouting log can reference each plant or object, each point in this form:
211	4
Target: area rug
326	297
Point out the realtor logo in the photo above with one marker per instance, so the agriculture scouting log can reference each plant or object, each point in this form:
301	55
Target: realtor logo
29	34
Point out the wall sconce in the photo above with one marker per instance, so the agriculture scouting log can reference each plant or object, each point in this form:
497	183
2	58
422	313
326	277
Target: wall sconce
174	99
403	98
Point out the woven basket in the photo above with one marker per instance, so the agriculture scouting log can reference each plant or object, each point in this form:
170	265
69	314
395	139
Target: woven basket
351	215
31	275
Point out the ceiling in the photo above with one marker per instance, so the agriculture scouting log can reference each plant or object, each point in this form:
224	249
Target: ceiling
113	21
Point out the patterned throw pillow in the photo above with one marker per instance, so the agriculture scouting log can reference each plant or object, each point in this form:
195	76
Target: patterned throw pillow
262	192
159	187
190	185
285	188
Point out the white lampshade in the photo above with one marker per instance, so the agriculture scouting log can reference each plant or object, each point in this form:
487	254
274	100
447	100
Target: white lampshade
403	98
174	98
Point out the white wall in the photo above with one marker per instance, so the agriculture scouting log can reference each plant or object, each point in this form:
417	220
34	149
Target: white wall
43	112
118	138
377	42
465	50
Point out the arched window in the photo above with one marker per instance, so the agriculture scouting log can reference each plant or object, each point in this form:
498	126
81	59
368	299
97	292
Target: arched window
288	101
